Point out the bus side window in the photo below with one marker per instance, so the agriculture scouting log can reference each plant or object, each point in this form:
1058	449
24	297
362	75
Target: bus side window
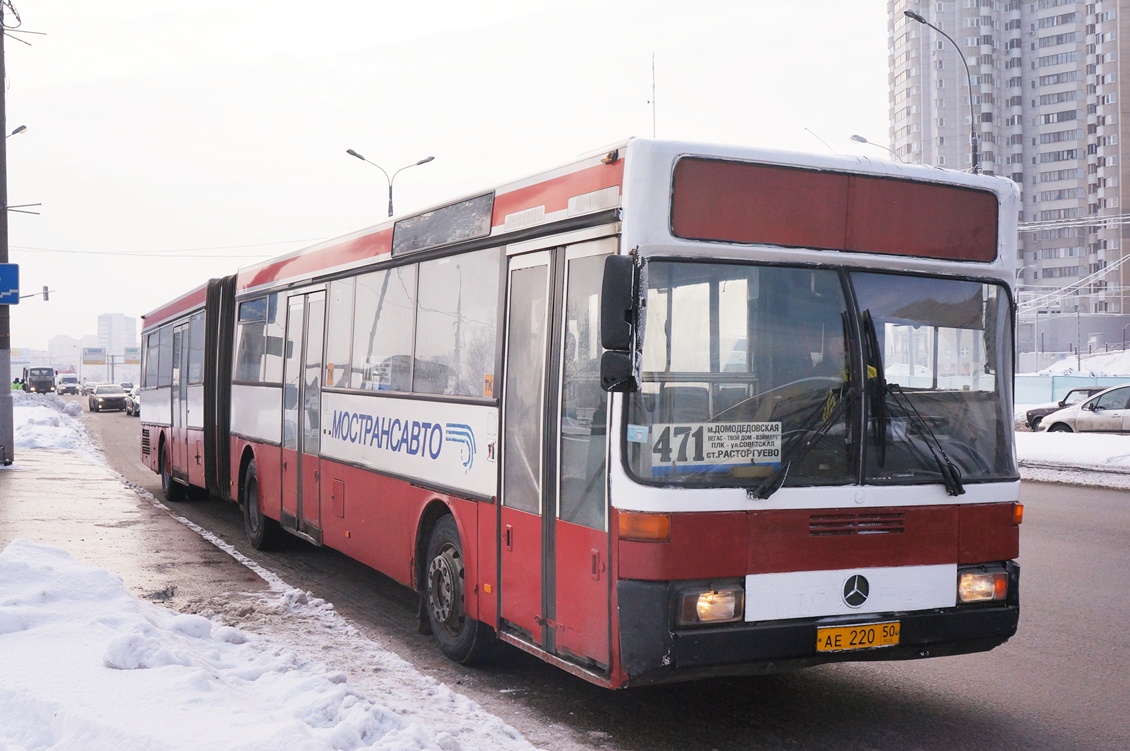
583	401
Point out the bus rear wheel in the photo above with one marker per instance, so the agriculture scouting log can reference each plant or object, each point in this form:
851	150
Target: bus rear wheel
462	639
173	491
263	532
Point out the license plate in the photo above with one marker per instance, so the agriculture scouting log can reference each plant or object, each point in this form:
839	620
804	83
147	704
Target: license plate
862	636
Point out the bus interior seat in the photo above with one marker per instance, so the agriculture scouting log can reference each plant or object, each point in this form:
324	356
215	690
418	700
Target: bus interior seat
685	403
729	396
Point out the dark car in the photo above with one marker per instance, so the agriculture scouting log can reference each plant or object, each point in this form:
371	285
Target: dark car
1074	396
107	396
133	402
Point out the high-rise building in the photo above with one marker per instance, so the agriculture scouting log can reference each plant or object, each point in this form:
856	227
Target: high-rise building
1045	81
116	332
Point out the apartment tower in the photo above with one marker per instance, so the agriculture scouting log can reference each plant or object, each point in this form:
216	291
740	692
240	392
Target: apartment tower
1045	78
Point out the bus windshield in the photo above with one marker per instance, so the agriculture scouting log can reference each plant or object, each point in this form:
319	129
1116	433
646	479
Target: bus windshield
821	376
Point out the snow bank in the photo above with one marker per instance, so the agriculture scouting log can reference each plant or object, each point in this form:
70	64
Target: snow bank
48	421
87	667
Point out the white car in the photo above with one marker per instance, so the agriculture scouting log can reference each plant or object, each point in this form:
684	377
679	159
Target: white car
1106	412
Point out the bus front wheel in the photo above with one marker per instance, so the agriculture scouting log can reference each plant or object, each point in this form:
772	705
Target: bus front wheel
461	638
262	531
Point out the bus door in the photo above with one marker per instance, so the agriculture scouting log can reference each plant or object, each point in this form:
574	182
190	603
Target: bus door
301	415
180	454
554	587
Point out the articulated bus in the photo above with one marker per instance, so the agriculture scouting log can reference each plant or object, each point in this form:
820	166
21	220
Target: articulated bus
668	411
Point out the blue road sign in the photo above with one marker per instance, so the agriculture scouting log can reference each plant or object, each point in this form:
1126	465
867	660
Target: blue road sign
9	283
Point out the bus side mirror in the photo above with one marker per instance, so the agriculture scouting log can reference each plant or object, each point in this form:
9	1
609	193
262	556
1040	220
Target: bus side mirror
617	372
617	303
621	323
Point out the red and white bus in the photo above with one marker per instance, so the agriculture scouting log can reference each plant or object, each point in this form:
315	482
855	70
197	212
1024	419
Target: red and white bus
668	411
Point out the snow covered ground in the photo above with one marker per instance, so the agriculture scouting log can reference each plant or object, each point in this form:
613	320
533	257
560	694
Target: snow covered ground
1099	364
86	666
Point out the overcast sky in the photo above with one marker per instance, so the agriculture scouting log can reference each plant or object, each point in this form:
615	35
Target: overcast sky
173	142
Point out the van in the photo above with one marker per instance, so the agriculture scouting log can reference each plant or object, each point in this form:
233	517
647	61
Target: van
66	383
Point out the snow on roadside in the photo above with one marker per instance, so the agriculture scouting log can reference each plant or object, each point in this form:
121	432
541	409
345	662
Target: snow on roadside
87	666
49	421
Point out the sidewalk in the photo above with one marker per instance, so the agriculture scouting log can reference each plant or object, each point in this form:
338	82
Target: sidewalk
62	498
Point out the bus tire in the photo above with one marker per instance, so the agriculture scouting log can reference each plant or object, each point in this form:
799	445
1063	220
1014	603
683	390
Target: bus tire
263	532
173	491
462	639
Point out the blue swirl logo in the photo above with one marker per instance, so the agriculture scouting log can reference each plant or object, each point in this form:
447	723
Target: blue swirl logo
464	436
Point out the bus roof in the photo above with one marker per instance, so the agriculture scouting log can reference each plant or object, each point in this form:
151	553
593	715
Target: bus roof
638	174
187	302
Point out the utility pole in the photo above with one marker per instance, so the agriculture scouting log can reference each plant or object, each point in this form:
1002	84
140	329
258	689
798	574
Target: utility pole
7	427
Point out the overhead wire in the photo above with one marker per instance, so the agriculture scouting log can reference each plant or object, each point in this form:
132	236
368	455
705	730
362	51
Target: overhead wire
1068	289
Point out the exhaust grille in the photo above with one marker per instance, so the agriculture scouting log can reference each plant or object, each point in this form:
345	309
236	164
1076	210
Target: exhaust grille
145	441
833	525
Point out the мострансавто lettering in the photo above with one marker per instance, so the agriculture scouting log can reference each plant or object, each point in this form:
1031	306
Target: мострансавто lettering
414	437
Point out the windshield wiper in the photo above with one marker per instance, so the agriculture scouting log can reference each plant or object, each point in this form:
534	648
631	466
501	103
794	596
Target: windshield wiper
951	475
880	418
773	482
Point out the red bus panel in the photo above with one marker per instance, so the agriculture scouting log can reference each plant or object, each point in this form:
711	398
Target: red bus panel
758	203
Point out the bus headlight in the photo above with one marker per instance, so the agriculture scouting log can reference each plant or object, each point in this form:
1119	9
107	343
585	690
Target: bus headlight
719	604
980	585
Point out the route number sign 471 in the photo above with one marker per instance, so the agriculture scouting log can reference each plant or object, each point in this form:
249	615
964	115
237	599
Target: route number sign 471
715	444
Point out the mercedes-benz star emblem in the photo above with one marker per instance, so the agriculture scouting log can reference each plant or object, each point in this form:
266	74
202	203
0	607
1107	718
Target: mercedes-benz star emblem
855	590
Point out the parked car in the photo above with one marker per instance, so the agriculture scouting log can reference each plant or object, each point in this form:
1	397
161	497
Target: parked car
1035	415
1106	412
133	402
107	396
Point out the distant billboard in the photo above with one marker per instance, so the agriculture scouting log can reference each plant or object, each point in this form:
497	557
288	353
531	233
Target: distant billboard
93	356
131	356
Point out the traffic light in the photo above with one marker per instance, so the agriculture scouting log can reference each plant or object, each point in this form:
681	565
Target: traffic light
44	293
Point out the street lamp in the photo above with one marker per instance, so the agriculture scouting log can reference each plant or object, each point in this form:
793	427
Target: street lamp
20	129
969	80
390	180
861	139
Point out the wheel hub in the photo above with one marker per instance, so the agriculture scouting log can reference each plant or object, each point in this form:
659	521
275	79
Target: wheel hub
442	590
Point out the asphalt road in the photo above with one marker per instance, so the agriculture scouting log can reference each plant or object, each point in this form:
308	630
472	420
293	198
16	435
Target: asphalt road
1062	683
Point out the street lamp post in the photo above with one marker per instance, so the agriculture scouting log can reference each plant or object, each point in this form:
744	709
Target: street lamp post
390	180
968	79
861	139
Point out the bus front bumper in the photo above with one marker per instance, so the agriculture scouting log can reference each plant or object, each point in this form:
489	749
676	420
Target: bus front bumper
653	651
